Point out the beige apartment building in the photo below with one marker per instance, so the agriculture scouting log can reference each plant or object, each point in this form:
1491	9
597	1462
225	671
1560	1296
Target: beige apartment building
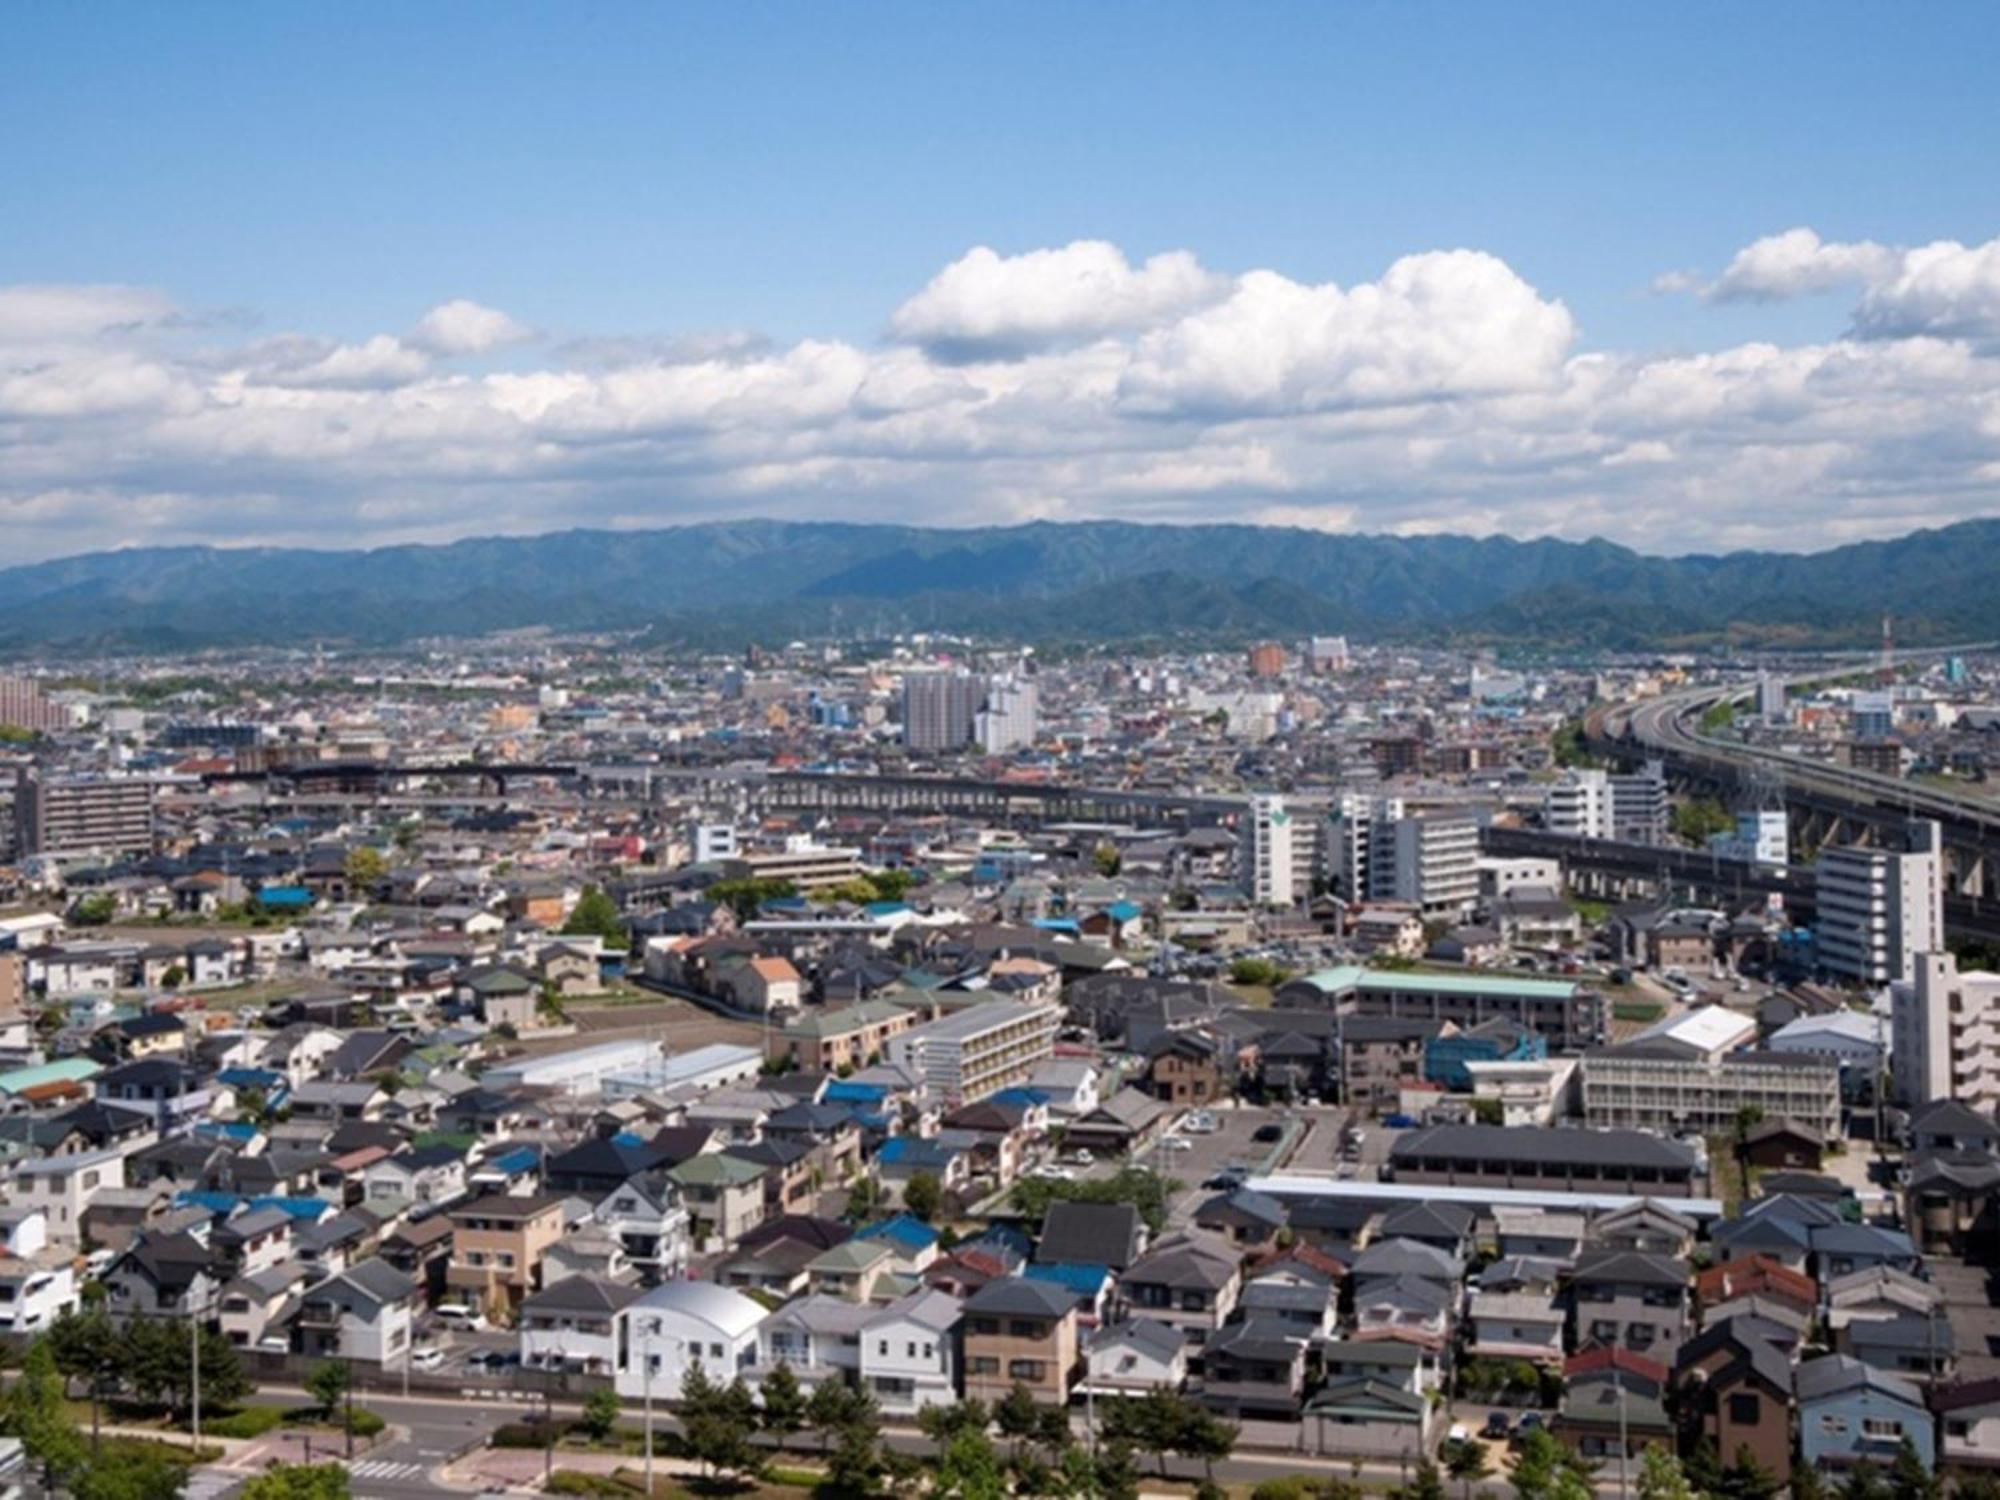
497	1245
1020	1332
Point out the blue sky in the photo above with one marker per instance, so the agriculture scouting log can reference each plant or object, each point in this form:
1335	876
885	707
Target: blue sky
800	171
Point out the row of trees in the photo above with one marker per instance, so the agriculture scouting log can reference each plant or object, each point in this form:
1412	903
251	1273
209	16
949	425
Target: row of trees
147	1359
35	1410
1015	1447
1145	1190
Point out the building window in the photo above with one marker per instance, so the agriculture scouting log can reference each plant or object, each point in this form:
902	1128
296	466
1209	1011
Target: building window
1881	1427
1744	1409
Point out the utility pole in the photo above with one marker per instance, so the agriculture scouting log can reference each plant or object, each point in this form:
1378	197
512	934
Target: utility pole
350	1409
194	1377
646	1354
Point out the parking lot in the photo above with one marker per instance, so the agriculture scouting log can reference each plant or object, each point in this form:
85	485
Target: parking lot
1233	1143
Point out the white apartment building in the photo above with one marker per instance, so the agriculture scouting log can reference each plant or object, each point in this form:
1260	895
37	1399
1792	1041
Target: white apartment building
1351	835
1586	803
713	842
1639	805
808	865
1644	1086
1763	836
939	709
1879	908
980	1050
1945	1034
1267	862
1577	804
1010	715
1428	861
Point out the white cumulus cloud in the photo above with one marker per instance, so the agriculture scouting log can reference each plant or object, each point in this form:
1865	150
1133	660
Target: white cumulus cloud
985	305
1795	263
464	327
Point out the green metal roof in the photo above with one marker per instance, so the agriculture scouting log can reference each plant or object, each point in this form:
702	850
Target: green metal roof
1423	982
62	1070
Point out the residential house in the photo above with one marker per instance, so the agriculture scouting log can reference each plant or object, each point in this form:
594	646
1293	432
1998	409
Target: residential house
909	1353
572	1324
1365	1418
1134	1358
1019	1331
1187	1281
724	1197
1848	1411
1256	1369
1736	1391
498	1241
1635	1301
817	1337
365	1315
1097	1234
678	1324
646	1215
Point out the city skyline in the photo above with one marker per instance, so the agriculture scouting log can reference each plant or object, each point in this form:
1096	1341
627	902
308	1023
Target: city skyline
312	281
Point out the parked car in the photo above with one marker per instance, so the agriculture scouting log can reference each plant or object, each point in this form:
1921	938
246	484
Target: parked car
1227	1178
1267	1133
1082	1158
1400	1122
429	1358
1497	1426
1177	1143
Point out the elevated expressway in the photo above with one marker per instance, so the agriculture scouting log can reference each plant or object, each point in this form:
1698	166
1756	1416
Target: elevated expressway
1829	804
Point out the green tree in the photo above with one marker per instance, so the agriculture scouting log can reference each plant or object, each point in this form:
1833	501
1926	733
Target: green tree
326	1384
784	1403
33	1410
1107	859
1425	1484
1144	1189
1116	1475
601	1411
716	1426
1661	1476
1865	1482
94	910
923	1195
744	896
832	1406
298	1482
969	1469
1697	821
942	1423
864	1197
1205	1437
856	1465
1544	1470
364	868
596	915
133	1475
1018	1417
1910	1478
156	1355
1467	1463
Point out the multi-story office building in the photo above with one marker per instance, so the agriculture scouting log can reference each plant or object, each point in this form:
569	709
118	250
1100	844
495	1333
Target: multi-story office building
1762	836
1873	716
1267	659
1771	699
1645	1086
1266	854
1327	653
22	706
1945	1034
980	1050
714	841
102	816
1880	908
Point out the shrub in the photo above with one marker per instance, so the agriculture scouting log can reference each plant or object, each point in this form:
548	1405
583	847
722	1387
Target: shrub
575	1482
367	1423
1291	1487
251	1422
530	1434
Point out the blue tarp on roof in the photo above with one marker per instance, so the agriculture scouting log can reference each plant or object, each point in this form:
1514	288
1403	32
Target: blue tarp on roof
310	1209
295	897
519	1159
842	1092
1077	1276
1123	911
904	1229
1055	924
915	1151
1029	1098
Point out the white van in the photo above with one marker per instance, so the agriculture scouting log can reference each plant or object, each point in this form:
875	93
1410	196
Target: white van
460	1317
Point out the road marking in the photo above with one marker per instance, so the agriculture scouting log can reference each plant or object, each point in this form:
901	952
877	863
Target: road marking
382	1468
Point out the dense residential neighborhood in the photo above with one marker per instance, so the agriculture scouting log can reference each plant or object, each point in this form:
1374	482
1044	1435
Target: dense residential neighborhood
464	1045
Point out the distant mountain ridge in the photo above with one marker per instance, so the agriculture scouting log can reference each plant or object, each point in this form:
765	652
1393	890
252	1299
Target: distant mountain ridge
724	583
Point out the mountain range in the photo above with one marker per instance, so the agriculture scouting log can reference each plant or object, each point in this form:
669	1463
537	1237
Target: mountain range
726	583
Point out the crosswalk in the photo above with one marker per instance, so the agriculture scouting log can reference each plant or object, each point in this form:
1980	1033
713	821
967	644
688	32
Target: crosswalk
207	1482
384	1468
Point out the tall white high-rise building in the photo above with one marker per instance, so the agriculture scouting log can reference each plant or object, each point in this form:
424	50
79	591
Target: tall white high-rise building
1880	908
1267	853
1008	718
1945	1035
